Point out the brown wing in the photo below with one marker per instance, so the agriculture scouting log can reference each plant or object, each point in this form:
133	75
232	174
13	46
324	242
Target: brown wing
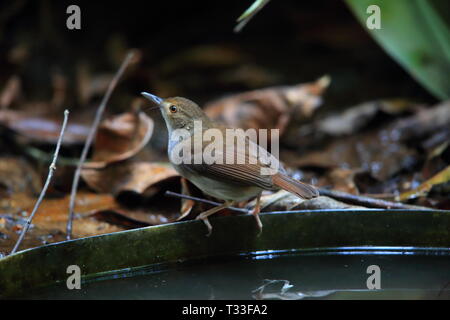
300	189
247	171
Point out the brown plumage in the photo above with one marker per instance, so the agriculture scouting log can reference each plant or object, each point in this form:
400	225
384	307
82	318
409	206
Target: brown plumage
296	187
231	182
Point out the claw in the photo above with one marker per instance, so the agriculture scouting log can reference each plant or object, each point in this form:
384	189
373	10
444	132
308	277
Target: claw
207	223
256	212
204	215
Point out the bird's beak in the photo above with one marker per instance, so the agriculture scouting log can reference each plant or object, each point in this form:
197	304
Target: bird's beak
155	99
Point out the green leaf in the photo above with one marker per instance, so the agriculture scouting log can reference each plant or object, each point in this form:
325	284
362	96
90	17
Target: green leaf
250	13
416	34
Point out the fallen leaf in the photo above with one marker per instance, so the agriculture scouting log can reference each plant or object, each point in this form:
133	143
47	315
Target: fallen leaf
285	201
343	180
49	223
323	202
437	159
375	152
41	128
269	108
17	176
357	117
425	122
56	210
127	176
119	138
135	218
422	190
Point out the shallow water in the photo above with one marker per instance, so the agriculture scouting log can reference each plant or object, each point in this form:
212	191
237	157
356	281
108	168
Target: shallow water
323	274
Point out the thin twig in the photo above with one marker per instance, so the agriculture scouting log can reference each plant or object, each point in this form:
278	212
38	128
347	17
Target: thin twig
51	170
183	196
366	201
90	138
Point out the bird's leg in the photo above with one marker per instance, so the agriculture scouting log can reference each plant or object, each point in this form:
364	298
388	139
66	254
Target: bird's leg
186	205
204	215
256	211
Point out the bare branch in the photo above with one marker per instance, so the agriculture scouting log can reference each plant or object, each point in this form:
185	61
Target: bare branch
90	138
366	201
183	196
51	170
342	196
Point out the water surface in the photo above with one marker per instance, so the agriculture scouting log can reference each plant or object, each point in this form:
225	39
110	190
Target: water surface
314	274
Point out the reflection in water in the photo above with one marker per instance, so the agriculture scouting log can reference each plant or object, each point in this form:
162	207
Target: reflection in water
283	293
266	292
334	274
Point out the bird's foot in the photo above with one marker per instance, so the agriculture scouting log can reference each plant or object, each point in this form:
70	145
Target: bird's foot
207	223
256	212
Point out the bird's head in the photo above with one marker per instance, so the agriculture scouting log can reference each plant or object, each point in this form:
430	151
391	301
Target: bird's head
178	112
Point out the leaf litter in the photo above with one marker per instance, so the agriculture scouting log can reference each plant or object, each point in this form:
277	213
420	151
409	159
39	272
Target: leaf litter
391	149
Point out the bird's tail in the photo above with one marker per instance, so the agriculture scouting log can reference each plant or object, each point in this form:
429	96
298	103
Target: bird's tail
300	189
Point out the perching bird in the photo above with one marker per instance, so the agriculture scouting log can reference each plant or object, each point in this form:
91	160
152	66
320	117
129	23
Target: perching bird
244	172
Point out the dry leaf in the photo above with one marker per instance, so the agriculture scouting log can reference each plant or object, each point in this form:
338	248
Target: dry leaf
283	200
41	128
440	178
376	152
355	118
127	176
343	180
135	218
119	138
17	176
49	223
269	108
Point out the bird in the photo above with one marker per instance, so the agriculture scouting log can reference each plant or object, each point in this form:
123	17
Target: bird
240	176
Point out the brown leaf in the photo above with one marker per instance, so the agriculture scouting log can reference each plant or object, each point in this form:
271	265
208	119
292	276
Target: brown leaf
357	117
437	159
127	176
135	218
119	138
42	128
441	177
283	200
49	223
423	123
324	202
343	180
269	108
17	176
376	152
56	210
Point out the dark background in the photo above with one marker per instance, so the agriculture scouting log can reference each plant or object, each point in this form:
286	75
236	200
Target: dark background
286	43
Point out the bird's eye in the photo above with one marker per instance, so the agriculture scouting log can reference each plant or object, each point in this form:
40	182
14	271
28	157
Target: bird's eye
173	109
